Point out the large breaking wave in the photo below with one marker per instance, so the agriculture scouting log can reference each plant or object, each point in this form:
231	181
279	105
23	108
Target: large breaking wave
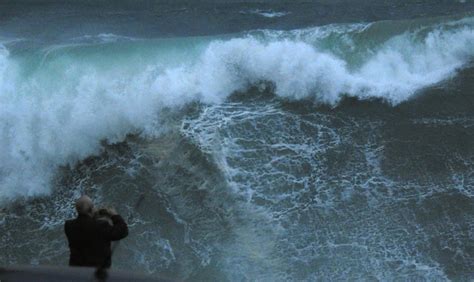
58	103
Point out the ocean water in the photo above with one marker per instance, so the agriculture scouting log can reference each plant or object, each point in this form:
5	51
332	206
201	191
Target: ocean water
267	141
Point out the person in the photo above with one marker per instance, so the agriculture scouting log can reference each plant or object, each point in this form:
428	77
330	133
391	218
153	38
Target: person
90	238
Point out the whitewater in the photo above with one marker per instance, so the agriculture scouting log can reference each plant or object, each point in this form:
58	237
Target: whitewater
60	102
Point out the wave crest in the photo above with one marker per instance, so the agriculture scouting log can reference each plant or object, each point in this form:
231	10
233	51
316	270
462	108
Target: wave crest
59	112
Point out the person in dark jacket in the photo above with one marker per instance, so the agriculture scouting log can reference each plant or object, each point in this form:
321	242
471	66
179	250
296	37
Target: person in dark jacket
90	239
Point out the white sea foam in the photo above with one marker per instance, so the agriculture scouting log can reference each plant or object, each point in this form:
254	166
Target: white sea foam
395	71
103	38
265	13
49	121
3	65
58	113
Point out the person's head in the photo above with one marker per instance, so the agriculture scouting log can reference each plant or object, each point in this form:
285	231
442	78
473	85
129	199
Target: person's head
85	206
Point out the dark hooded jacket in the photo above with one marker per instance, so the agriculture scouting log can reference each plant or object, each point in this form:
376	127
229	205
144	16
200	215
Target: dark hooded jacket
90	240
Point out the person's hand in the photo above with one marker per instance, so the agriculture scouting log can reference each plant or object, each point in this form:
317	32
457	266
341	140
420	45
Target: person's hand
112	211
